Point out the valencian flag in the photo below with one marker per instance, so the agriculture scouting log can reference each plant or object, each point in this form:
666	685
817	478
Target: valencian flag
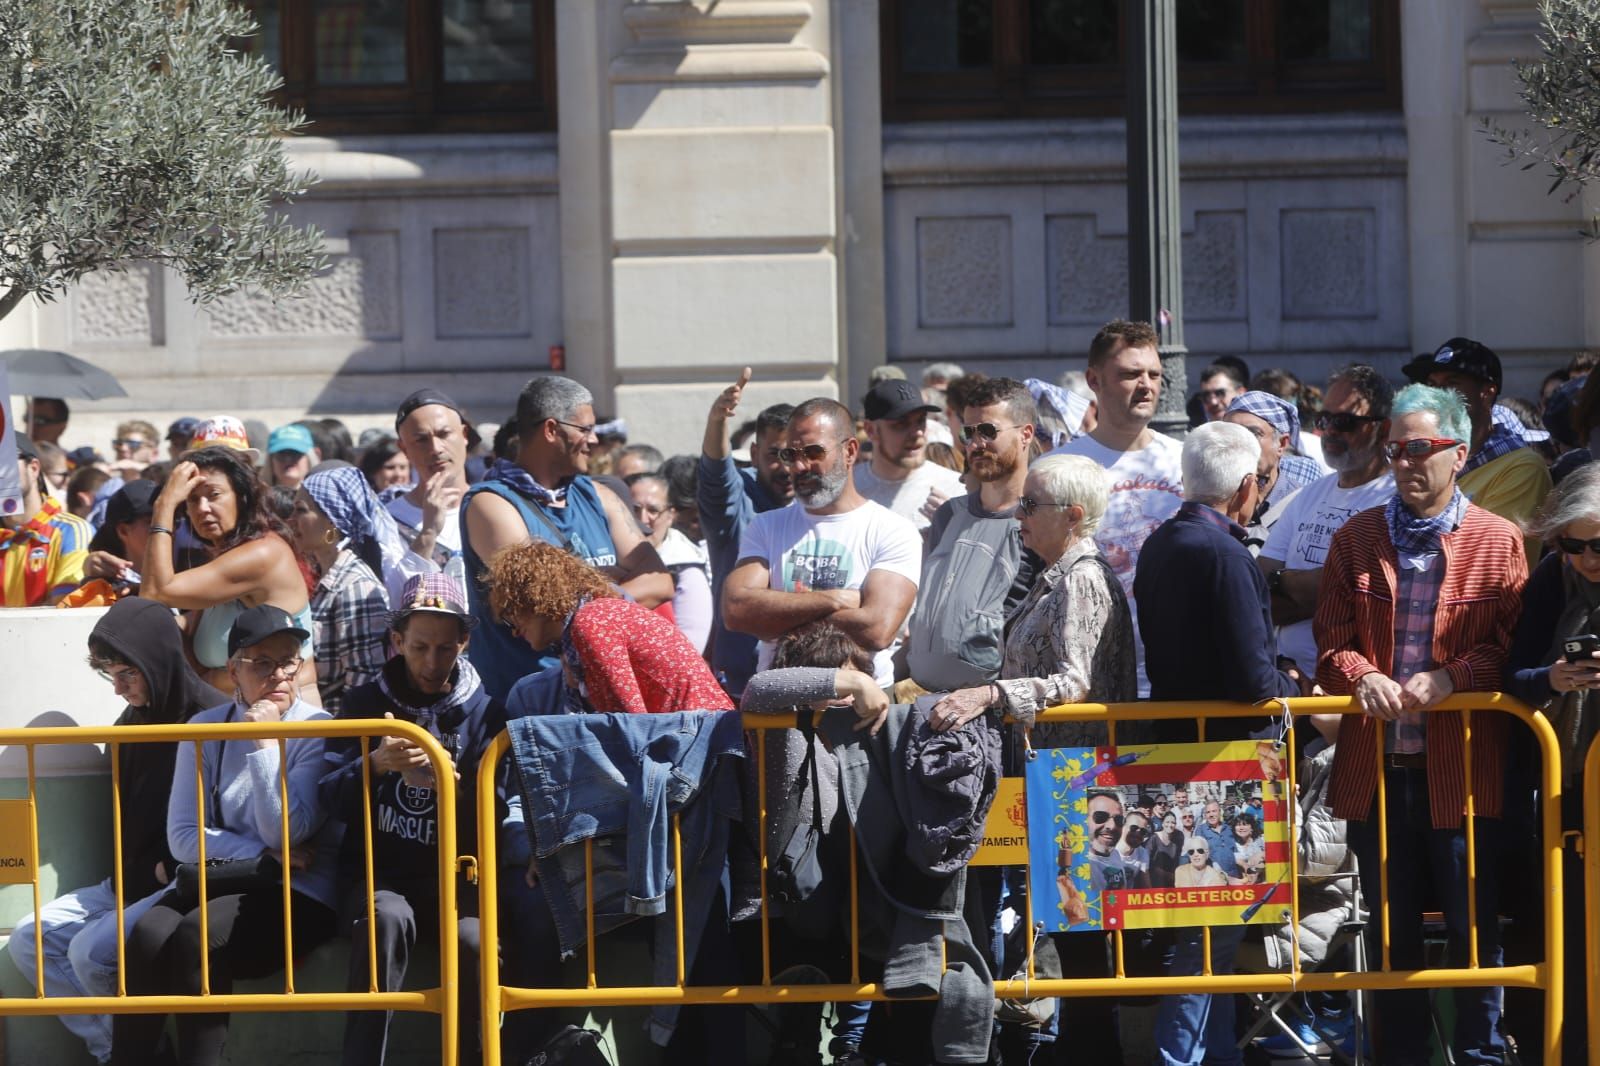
1111	847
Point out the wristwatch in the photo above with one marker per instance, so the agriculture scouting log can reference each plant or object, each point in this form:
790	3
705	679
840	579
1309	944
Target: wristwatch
1275	581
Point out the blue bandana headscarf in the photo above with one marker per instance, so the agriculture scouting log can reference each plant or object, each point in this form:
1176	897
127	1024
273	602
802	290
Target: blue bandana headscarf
350	504
1283	415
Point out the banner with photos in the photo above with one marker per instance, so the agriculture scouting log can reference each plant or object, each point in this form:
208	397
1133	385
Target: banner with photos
1159	836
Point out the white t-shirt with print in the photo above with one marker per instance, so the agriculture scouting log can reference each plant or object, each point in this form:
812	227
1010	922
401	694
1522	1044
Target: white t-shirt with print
1146	490
905	498
1302	536
806	552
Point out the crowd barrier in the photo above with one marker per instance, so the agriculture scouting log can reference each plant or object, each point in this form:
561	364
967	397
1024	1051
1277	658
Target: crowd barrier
1589	844
497	998
19	864
1545	975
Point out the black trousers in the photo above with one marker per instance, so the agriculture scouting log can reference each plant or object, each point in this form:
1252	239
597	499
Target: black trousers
403	912
245	939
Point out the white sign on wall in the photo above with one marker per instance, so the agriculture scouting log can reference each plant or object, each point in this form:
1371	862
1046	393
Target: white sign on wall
10	481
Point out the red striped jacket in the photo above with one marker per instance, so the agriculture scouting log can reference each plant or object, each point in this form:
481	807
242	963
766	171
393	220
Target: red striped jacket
1485	568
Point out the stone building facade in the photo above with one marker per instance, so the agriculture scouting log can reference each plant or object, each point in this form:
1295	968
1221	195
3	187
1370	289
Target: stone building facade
721	188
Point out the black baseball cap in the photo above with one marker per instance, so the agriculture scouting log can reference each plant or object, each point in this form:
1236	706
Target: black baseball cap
1461	355
134	500
256	624
1558	411
26	449
894	398
430	398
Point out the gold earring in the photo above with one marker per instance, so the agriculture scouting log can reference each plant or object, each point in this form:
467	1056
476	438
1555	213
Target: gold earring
330	536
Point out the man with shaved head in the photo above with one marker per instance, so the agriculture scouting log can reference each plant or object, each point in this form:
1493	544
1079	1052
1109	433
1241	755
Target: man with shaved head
830	554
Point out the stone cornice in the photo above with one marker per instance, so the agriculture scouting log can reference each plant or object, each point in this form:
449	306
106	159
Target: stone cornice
438	164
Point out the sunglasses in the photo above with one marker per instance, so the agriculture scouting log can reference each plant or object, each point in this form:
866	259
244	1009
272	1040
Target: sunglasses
131	442
1416	448
1102	817
1197	851
1574	546
986	430
1139	830
1027	505
1342	421
812	453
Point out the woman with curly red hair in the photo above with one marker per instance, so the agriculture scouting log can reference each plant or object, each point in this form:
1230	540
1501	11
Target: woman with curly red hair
616	656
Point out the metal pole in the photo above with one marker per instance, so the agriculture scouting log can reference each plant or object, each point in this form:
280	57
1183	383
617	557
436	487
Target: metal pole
1155	230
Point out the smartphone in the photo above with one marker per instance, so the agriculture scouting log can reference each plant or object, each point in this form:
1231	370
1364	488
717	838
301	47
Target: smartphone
1582	647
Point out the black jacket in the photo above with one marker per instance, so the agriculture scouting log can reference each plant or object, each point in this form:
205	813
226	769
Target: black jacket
1206	621
405	819
145	635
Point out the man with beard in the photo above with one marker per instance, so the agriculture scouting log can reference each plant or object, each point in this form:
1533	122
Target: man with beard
976	568
830	554
1107	866
898	474
1354	421
1145	466
546	494
727	498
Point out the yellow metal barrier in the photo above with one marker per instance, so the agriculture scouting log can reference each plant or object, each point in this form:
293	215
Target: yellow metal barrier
440	1000
1545	975
1590	844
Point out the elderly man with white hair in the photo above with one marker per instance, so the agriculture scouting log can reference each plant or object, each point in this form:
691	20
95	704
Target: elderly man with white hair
1211	639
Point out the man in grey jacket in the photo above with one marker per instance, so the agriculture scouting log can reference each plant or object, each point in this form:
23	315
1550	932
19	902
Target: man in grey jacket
974	566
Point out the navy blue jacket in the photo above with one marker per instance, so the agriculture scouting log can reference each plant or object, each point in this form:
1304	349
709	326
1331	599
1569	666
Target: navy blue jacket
1205	619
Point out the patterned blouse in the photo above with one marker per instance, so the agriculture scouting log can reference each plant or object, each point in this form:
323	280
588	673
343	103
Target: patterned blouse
1071	641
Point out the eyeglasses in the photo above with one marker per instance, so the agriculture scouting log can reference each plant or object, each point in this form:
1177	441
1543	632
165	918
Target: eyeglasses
1197	851
123	677
1027	505
273	667
1416	448
1101	817
987	430
130	442
810	453
1341	421
1574	546
584	431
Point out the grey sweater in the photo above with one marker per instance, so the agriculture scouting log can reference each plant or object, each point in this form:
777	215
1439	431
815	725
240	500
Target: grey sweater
246	816
788	794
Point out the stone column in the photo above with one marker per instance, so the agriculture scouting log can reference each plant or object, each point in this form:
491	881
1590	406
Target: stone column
1155	234
699	205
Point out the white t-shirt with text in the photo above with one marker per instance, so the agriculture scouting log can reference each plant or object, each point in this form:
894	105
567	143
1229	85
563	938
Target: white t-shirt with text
1301	539
1146	489
806	552
906	497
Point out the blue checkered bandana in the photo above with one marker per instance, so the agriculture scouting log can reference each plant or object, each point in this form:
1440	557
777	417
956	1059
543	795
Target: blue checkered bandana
1283	415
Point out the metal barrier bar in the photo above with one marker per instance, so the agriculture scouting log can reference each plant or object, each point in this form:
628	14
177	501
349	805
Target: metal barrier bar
1546	975
1590	844
439	1000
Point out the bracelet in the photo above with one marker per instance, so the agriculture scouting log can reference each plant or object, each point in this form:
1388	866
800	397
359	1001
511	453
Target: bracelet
160	529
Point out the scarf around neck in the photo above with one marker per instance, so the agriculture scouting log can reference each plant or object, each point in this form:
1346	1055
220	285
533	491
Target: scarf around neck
1414	535
510	473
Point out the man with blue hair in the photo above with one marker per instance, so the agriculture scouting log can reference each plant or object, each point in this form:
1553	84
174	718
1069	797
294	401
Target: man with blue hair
1419	600
1502	474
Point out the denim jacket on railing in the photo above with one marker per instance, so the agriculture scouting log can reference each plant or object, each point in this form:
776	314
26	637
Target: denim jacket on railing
618	779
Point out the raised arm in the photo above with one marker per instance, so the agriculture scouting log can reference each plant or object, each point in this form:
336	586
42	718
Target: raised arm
716	444
639	570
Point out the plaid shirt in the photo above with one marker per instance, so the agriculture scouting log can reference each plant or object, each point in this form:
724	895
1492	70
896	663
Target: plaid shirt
1417	585
350	624
1295	472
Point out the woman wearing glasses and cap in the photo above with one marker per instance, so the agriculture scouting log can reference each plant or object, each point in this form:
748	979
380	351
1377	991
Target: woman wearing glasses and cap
242	820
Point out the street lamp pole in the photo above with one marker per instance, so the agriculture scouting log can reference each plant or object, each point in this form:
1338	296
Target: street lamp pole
1155	230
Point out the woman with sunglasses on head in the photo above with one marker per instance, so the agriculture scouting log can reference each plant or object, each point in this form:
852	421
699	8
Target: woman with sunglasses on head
1551	666
242	819
252	558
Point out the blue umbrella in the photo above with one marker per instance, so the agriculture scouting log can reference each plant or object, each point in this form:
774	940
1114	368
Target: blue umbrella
40	372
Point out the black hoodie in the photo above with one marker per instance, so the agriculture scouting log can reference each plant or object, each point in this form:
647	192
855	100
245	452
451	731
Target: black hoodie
145	635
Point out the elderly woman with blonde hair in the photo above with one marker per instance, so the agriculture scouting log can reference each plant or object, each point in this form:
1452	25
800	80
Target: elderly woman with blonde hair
1071	639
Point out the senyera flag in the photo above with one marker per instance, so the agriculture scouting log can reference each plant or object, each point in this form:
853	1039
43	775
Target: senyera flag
1146	836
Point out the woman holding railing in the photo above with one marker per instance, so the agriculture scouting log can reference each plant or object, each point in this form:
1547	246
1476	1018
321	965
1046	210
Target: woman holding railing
239	840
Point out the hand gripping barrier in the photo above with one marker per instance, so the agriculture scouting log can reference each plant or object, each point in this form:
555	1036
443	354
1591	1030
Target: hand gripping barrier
1545	975
440	1000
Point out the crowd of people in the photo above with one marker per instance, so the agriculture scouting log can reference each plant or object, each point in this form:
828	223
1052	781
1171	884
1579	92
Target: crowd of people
946	561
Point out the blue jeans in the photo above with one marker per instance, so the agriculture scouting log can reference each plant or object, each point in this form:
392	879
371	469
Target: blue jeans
1194	1029
79	930
1418	854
